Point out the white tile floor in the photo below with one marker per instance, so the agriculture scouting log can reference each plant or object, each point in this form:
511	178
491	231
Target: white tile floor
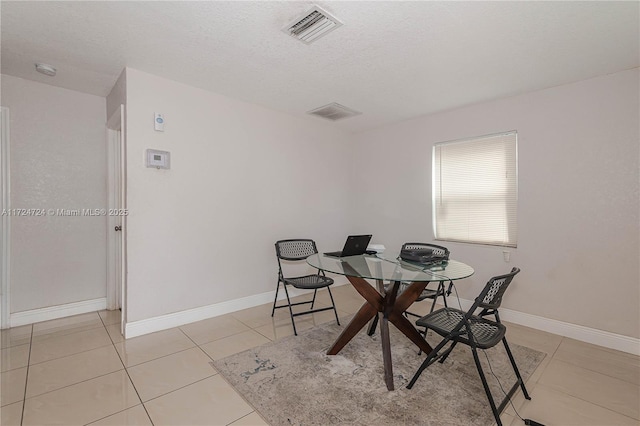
79	370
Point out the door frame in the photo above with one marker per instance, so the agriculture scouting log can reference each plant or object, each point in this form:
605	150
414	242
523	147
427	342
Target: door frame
116	199
5	244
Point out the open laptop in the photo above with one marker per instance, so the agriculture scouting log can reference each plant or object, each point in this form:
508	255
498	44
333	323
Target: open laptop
355	245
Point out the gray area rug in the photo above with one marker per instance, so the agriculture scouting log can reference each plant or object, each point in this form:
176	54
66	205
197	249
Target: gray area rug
293	382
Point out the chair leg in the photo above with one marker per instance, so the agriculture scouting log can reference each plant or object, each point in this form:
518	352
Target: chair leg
515	369
444	295
428	361
334	305
424	335
276	298
295	332
446	354
372	326
313	301
433	304
496	414
439	292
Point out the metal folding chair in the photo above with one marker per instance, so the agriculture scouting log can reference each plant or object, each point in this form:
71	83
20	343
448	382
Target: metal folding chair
297	250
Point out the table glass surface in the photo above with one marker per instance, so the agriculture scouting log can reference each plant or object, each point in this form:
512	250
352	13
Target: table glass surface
388	267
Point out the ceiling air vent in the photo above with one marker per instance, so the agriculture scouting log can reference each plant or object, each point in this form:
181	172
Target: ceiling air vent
312	25
334	112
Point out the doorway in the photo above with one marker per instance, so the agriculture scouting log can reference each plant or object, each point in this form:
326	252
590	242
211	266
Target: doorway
117	215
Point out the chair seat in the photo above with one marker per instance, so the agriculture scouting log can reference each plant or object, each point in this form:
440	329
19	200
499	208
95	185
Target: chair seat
309	281
486	333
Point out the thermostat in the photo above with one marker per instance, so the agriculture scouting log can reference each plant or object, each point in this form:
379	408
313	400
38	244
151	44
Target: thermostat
158	159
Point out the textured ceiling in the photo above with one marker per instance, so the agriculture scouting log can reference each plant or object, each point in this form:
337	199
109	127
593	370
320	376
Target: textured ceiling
391	60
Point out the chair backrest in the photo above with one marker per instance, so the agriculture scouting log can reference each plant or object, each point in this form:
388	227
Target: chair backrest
295	249
491	295
437	250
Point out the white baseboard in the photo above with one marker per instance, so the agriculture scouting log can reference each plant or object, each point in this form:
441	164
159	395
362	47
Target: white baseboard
164	322
55	312
585	334
590	335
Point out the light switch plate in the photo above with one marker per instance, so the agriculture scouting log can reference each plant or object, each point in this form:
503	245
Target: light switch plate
158	122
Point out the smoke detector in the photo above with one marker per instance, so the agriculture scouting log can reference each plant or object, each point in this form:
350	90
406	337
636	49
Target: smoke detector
312	25
46	69
334	112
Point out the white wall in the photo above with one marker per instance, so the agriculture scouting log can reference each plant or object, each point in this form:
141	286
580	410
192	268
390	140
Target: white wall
118	94
241	177
57	162
578	210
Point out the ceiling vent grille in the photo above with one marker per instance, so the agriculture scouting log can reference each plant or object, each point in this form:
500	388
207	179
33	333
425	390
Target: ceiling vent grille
312	25
334	112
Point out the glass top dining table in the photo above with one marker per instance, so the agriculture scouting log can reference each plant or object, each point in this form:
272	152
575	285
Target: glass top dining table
387	266
385	303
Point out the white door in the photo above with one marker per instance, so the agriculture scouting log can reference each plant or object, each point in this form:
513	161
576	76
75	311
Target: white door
116	215
4	218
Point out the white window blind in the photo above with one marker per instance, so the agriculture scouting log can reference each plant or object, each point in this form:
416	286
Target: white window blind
475	190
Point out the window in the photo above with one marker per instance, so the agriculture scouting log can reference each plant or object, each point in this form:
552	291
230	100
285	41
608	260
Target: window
475	190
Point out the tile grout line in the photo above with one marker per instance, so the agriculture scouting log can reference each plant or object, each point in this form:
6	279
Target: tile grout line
165	356
266	337
254	411
43	337
72	384
128	375
218	372
181	387
26	379
155	359
202	350
69	334
586	367
552	358
127	372
555	351
253	408
586	401
580	398
73	354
